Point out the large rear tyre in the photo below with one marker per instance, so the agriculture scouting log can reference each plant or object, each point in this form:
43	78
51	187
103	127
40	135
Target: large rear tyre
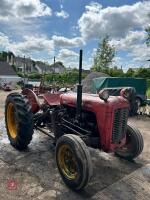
73	161
134	144
19	120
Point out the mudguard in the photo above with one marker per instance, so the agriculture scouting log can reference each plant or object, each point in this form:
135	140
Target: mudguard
53	99
33	99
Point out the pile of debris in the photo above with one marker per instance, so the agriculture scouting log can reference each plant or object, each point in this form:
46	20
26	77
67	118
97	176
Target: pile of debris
88	80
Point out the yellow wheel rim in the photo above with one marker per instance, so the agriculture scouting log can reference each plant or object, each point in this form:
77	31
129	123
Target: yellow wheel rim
67	162
11	124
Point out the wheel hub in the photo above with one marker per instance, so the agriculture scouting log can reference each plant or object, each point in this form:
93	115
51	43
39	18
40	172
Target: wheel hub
11	120
67	162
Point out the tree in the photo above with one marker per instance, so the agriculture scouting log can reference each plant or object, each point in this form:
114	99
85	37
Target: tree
143	73
116	72
130	73
148	36
4	54
104	55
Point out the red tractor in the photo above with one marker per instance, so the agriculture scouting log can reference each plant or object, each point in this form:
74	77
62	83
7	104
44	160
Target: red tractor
74	121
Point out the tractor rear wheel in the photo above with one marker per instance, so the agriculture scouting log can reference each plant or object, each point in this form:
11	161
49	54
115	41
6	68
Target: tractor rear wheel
73	161
134	144
19	120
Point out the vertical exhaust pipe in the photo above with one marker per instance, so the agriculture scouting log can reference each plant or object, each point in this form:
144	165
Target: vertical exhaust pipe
79	88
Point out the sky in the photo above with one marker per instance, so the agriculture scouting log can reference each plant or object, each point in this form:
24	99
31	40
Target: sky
42	29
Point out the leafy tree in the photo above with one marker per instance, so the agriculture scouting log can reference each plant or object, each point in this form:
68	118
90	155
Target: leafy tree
116	72
143	73
104	55
4	54
63	78
130	73
34	75
20	74
14	67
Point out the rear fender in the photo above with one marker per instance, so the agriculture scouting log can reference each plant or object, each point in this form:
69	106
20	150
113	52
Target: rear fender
53	99
33	99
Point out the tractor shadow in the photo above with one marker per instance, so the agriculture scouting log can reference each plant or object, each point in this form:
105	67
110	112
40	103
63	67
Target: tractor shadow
107	169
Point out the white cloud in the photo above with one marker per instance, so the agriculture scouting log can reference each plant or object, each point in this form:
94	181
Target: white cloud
32	45
140	53
116	21
66	42
40	43
4	40
128	43
124	24
71	59
68	57
62	14
134	44
117	59
66	53
28	46
23	9
94	52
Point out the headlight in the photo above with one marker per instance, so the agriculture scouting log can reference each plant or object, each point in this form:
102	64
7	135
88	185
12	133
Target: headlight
128	93
104	95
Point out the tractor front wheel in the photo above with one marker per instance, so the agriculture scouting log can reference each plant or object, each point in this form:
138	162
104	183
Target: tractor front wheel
133	146
19	120
73	161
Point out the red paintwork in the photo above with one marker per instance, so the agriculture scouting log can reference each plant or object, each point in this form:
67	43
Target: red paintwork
104	111
104	114
52	99
33	100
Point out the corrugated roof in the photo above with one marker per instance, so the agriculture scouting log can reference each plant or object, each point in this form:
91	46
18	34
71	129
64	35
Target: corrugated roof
6	69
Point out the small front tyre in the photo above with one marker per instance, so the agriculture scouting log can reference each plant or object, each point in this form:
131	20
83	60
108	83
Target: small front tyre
133	146
73	161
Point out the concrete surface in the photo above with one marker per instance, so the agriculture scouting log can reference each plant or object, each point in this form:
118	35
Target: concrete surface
132	187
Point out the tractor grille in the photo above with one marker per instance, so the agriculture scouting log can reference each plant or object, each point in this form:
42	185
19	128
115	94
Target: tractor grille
119	124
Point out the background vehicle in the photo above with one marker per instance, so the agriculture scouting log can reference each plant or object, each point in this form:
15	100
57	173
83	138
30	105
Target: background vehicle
74	121
7	87
117	83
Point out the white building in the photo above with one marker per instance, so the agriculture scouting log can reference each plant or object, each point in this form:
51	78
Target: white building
7	74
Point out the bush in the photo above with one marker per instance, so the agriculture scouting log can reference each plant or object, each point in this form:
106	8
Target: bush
69	78
20	74
14	68
35	76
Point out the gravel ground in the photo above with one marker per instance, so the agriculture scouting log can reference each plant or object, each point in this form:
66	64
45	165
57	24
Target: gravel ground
33	174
